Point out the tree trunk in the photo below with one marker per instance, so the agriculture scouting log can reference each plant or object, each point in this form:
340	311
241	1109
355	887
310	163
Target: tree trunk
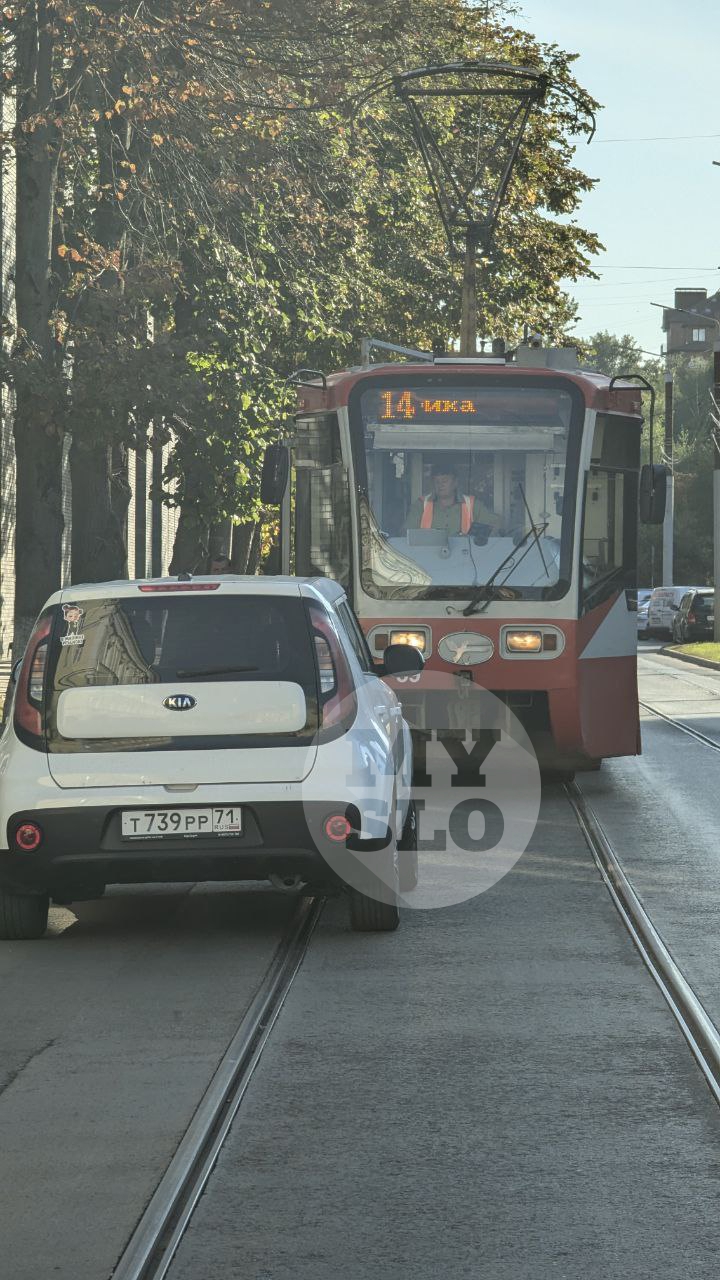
191	546
253	562
38	424
241	545
99	544
99	552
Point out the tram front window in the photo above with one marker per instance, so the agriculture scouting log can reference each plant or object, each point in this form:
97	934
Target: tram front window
456	478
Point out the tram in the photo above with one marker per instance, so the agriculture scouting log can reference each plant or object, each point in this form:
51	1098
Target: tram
484	511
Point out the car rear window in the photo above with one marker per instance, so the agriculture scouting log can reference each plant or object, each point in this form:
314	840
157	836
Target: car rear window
184	640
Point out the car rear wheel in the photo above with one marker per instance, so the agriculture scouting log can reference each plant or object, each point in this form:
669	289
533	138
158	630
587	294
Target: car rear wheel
370	915
373	898
22	915
408	852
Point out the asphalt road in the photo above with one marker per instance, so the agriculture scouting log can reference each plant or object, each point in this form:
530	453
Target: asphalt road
496	1091
112	1027
662	814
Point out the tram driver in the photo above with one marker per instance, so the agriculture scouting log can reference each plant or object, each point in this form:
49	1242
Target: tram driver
448	509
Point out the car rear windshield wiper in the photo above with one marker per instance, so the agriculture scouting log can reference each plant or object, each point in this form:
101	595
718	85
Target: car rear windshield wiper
212	671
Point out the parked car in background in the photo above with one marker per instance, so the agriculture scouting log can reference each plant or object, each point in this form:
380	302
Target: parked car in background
663	605
203	729
642	620
695	619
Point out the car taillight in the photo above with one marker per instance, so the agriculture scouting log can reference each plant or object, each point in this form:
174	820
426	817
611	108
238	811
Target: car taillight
28	837
691	617
31	681
338	704
337	828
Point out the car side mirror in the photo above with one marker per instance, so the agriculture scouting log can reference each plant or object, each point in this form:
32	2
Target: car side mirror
653	493
402	660
274	478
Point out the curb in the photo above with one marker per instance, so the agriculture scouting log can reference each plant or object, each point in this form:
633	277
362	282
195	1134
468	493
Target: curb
667	652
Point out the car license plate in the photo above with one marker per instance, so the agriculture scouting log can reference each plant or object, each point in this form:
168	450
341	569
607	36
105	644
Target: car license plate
149	824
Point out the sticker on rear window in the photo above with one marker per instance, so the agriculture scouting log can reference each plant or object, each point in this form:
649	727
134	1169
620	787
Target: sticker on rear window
73	615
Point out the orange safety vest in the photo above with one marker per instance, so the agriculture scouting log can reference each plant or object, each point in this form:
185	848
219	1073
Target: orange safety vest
466	515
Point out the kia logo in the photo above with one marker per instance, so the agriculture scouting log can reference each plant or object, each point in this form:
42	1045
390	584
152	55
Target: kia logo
180	702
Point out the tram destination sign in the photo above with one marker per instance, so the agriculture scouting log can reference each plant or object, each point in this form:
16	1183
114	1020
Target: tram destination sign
407	406
510	405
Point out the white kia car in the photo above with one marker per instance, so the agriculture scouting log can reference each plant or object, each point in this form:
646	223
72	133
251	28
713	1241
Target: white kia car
204	729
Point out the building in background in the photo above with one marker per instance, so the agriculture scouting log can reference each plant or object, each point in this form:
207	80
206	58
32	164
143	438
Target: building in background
695	333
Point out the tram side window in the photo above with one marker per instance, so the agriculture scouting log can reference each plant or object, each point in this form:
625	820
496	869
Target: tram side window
321	500
610	520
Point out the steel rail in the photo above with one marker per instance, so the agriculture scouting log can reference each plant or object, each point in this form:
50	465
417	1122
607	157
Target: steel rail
685	728
693	1019
153	1244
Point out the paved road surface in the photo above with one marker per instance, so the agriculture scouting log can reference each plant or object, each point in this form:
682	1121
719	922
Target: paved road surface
498	1091
662	813
111	1029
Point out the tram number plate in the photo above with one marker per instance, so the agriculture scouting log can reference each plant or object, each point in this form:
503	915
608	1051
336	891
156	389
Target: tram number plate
138	824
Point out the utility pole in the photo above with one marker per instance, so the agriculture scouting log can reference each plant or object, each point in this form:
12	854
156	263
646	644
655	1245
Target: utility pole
669	521
715	416
468	322
715	438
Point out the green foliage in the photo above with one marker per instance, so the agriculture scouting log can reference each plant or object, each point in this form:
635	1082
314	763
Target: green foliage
230	172
692	455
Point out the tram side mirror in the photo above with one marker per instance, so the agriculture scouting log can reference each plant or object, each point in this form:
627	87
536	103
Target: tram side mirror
402	660
653	493
274	477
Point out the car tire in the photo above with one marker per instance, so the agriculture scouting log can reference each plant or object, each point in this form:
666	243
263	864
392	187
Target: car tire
409	871
370	915
22	915
373	899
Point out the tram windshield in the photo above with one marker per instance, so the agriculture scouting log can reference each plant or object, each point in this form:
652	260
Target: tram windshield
462	480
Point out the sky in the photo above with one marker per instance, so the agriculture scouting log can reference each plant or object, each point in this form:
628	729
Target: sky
653	64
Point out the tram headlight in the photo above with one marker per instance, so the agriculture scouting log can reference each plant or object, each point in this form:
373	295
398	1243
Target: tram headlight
524	641
418	639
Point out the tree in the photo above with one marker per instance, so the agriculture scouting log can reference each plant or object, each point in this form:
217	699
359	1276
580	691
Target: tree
234	174
612	355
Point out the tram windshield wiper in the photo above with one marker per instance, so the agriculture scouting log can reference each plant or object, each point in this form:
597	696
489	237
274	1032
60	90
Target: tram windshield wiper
488	591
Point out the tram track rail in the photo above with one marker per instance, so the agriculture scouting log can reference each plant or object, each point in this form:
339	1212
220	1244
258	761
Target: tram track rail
154	1242
684	728
693	1019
